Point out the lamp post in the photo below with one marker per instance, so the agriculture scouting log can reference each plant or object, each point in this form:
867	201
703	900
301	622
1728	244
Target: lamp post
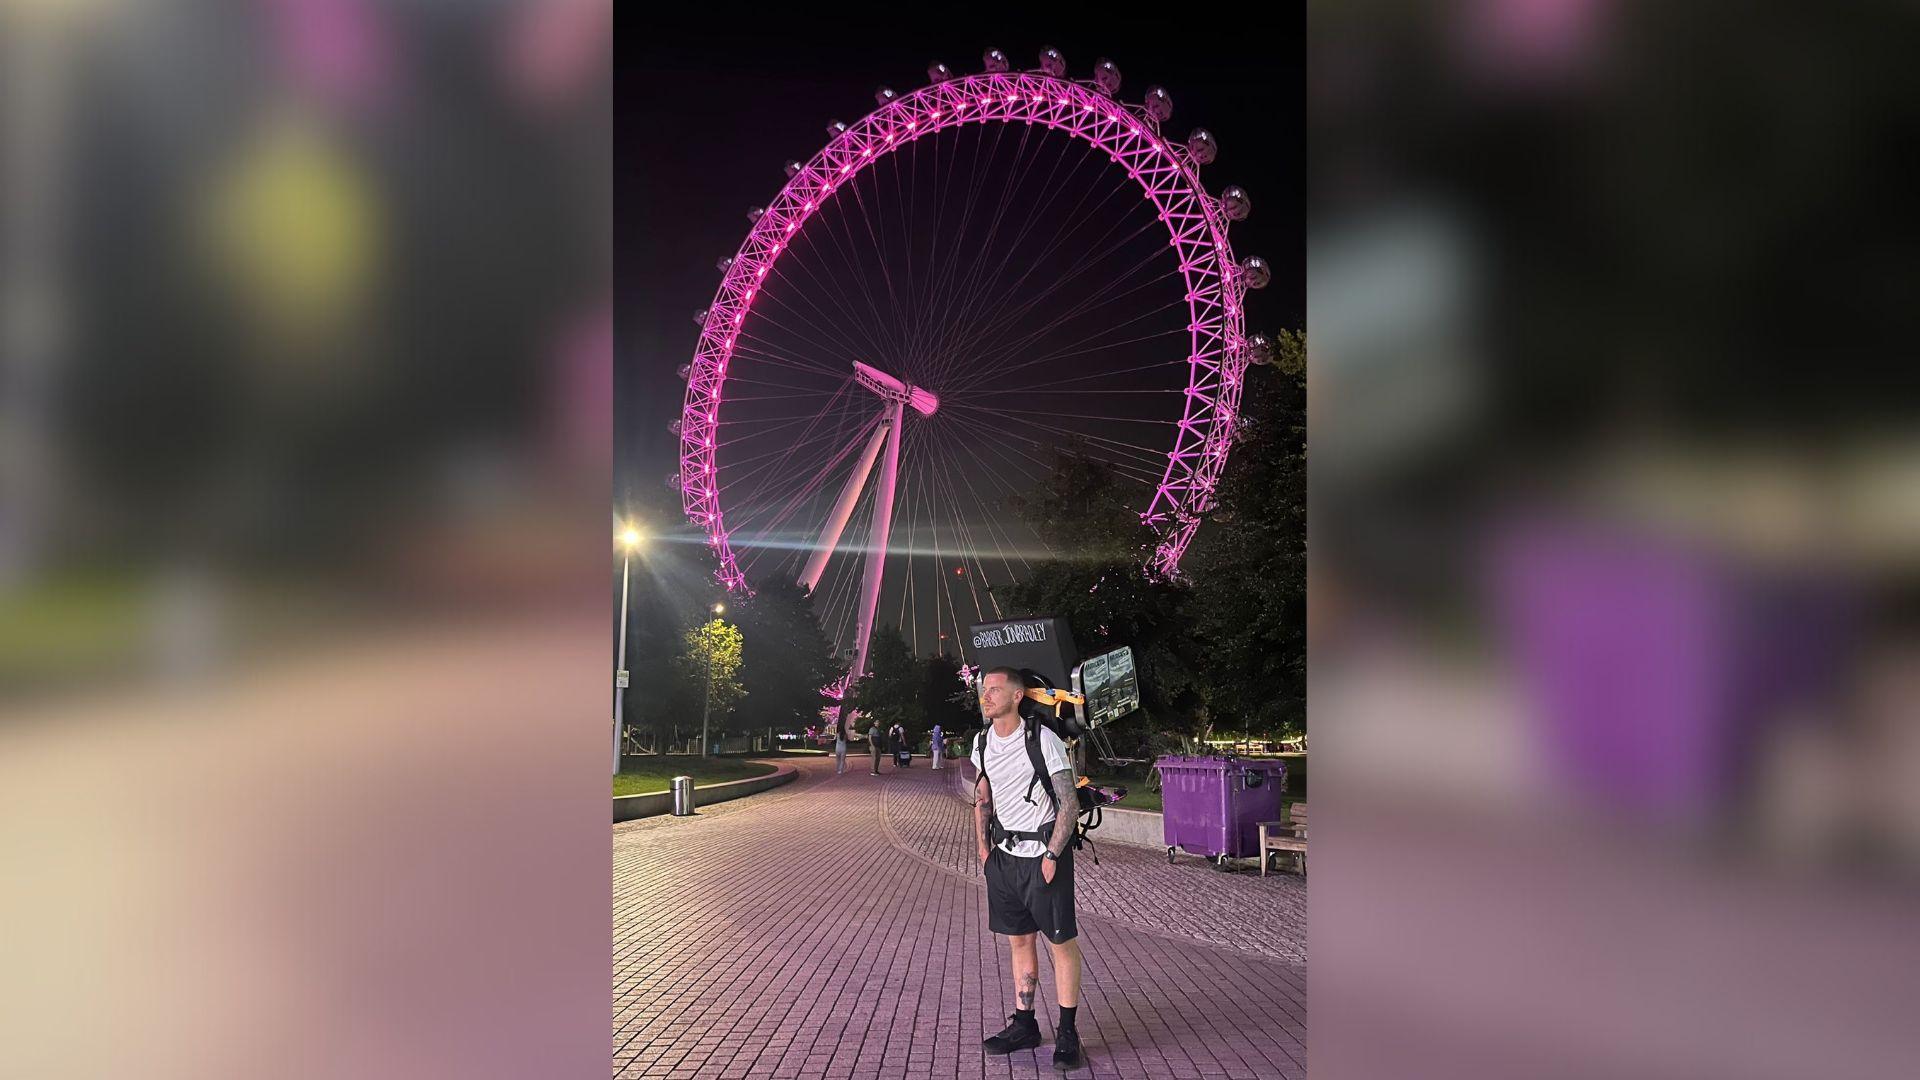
630	540
706	706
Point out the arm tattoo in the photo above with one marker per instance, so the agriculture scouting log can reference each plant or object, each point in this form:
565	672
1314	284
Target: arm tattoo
1063	819
982	806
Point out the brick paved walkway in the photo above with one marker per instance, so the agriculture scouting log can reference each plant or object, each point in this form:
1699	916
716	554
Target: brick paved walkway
835	928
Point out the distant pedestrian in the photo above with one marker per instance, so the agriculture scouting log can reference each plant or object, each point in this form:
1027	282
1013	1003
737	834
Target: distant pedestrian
873	743
839	746
937	747
896	742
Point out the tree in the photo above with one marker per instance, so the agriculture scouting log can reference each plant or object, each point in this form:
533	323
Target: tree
788	659
709	666
1103	590
1226	642
1080	509
671	590
944	699
1249	563
659	695
890	691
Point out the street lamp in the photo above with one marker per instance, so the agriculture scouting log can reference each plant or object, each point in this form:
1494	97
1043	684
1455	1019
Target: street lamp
707	705
630	541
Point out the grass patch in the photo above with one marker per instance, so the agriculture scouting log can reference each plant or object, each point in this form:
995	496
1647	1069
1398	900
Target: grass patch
656	774
1138	797
76	624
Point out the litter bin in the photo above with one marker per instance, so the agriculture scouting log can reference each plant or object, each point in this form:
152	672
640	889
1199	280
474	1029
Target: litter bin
682	796
1213	806
1653	666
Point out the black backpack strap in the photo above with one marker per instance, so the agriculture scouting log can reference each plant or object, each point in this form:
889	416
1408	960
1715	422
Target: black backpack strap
1039	761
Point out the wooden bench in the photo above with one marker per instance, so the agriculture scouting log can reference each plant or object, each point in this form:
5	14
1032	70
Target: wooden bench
1289	834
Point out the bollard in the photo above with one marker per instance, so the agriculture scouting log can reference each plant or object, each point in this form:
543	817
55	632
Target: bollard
682	796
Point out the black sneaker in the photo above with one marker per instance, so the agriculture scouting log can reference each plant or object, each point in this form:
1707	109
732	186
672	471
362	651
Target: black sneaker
1017	1035
1066	1049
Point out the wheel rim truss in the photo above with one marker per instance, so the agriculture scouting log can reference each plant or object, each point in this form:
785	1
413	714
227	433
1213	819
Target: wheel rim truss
1197	230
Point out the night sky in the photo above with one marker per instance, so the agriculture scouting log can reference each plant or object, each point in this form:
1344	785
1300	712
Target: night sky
1006	268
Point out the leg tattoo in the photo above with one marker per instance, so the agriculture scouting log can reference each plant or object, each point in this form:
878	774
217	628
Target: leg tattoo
1029	983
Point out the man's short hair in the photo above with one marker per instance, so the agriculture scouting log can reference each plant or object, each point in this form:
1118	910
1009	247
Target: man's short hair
1013	675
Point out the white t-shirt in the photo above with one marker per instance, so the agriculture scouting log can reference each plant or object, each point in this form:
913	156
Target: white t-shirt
1008	771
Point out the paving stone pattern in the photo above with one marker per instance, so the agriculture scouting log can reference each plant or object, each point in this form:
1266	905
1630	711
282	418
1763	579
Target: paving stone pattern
831	928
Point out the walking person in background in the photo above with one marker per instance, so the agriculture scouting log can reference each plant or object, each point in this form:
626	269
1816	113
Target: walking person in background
839	745
873	743
896	742
936	748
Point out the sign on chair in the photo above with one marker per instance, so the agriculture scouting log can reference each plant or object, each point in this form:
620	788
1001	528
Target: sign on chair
1109	684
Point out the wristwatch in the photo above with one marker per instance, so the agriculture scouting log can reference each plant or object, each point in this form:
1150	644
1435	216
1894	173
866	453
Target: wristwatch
1049	856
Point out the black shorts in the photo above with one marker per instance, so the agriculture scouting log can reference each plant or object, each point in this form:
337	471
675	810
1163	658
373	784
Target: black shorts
1020	901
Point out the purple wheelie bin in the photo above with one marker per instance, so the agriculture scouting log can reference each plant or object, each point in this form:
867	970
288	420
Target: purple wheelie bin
1213	806
1653	667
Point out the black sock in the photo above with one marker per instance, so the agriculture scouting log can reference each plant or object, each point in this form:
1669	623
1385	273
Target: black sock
1025	1016
1066	1017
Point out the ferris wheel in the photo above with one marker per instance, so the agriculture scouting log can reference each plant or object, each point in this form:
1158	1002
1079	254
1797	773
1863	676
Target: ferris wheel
973	278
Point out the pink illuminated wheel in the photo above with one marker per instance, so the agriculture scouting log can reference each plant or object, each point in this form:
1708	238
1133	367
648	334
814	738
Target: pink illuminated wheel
973	278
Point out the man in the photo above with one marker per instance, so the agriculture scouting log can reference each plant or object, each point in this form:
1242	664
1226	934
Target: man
896	742
937	747
1029	880
873	743
839	745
